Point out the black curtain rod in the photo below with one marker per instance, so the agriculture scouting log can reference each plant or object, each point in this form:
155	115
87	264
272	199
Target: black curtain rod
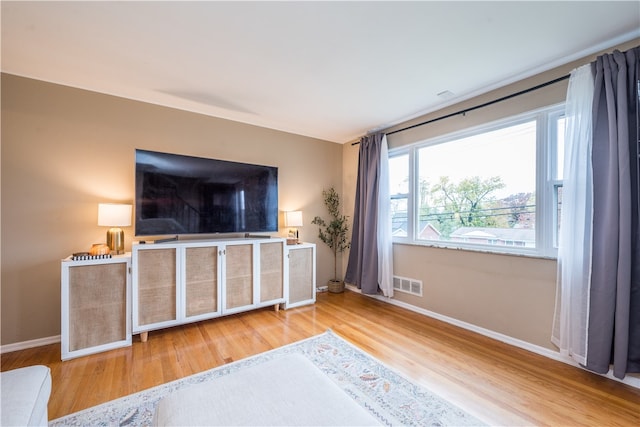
486	104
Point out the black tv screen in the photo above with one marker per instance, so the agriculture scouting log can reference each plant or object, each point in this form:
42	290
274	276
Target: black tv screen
177	194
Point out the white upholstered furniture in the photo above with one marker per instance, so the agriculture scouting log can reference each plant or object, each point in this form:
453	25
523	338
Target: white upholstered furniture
286	391
24	395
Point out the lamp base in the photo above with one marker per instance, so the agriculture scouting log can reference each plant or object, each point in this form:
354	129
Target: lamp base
115	240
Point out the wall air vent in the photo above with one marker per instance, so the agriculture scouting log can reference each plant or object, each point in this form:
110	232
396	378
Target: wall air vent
407	285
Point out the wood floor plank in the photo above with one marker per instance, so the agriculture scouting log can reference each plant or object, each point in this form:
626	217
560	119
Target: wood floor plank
490	379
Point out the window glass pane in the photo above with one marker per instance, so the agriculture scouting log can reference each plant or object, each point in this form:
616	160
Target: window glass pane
399	191
399	174
399	218
560	148
480	189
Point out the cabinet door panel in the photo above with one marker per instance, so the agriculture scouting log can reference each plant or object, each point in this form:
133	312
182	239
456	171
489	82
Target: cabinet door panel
239	275
301	275
156	286
97	305
271	271
201	280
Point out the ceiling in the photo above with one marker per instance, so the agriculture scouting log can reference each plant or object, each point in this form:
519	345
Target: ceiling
329	70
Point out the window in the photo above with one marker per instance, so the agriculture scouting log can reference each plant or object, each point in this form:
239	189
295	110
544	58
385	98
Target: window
399	192
497	187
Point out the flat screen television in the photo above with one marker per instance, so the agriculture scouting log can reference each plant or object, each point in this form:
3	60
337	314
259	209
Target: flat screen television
179	195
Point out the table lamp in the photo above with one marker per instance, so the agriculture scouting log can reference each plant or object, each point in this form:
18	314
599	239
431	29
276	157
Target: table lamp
115	216
293	219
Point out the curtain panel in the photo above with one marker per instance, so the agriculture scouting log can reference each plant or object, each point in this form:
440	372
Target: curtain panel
614	320
574	249
370	261
597	318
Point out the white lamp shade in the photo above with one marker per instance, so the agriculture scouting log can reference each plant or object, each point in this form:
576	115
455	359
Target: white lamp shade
114	215
293	219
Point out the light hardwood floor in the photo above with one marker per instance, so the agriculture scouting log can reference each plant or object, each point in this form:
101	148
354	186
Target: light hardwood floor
500	384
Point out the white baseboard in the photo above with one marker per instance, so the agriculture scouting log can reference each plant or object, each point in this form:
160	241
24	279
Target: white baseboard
632	380
8	348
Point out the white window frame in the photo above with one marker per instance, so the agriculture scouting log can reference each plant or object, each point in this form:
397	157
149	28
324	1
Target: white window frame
546	182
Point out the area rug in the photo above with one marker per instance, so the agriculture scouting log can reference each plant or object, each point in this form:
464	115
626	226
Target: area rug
388	396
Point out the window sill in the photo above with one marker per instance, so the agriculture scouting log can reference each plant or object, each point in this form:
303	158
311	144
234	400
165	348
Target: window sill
483	250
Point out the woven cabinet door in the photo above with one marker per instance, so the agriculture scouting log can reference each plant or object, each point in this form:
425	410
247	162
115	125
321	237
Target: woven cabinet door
156	286
97	305
239	276
201	280
301	283
271	271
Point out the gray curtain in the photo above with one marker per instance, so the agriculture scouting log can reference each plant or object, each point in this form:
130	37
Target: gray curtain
362	269
614	308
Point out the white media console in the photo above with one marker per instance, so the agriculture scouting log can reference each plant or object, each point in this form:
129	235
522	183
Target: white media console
106	301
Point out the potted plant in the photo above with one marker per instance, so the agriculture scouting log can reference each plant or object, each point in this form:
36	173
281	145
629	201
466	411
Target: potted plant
333	233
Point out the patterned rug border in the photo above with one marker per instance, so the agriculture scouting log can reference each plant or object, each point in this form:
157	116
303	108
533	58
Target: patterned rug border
390	397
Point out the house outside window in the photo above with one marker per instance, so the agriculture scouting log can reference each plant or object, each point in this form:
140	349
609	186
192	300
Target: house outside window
497	187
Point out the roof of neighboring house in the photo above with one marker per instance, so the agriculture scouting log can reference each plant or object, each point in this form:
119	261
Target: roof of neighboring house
429	226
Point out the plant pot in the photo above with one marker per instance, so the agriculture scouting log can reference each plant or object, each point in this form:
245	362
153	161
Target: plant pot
336	286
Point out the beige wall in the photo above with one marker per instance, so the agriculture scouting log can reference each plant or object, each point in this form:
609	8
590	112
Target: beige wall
65	150
511	295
